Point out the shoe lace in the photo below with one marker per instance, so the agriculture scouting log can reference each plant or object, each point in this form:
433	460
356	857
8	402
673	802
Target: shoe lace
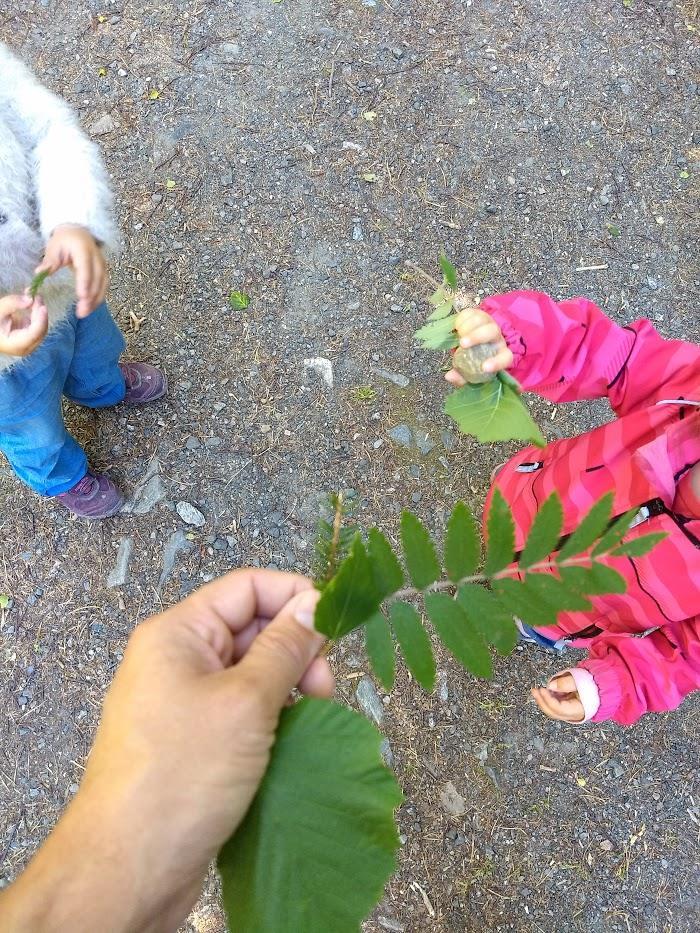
85	485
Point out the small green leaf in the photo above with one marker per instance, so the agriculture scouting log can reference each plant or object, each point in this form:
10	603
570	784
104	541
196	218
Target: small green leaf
522	602
501	535
369	177
239	300
170	184
615	533
556	593
37	282
414	642
442	303
595	580
324	814
492	411
485	612
462	544
419	550
388	575
640	546
458	635
380	649
350	597
684	174
589	530
448	271
544	532
438	335
4	600
613	230
153	94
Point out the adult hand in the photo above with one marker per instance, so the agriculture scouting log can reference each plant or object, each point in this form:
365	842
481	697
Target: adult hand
560	699
474	326
184	741
73	245
23	324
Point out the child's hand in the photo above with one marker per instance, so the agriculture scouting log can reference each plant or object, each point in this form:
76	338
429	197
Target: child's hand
474	327
72	245
559	699
23	324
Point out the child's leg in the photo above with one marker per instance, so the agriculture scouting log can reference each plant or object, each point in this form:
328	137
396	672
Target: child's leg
33	436
94	377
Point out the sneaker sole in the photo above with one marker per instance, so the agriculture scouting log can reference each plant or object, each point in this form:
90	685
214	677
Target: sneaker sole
147	401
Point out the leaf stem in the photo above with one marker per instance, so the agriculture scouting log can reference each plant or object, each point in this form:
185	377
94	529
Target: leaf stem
433	282
442	585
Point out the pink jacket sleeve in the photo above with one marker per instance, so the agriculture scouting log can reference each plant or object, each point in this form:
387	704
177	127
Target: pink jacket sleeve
570	350
645	675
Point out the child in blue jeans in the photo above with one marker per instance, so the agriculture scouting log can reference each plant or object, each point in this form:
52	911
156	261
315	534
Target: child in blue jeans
55	200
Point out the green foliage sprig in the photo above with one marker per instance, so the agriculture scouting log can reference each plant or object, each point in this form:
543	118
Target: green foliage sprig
319	841
488	406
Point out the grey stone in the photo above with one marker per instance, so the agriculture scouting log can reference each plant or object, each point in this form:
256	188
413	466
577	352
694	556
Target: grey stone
149	492
192	443
424	442
188	513
175	543
368	700
387	754
397	378
402	435
322	367
103	125
120	574
452	801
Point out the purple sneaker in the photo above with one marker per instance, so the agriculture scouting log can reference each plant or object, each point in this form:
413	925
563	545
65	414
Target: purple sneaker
94	496
144	383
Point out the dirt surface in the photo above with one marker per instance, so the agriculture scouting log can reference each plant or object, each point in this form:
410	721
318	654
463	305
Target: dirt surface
302	152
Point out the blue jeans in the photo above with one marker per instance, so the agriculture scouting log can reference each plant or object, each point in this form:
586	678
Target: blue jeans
79	360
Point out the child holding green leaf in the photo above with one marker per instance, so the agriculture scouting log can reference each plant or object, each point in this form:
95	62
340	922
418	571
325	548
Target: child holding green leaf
57	337
644	644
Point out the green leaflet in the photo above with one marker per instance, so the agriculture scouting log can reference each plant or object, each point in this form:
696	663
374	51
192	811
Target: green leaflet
544	533
415	644
439	335
556	593
448	271
595	580
442	303
37	282
462	544
239	301
350	597
492	411
458	634
485	612
419	550
590	529
501	535
388	575
319	842
523	602
380	649
615	533
640	546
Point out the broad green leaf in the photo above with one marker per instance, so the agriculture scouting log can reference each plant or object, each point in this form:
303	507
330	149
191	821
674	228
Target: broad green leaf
439	335
319	841
448	271
239	301
485	612
595	580
462	544
640	546
442	304
544	532
380	649
350	597
522	602
590	529
556	593
414	642
501	535
37	282
615	533
458	634
388	575
492	411
505	377
419	550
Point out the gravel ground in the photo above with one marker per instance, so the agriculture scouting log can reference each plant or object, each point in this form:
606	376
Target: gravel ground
302	152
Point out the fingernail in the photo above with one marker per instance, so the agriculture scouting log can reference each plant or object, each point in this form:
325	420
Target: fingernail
305	606
487	367
465	342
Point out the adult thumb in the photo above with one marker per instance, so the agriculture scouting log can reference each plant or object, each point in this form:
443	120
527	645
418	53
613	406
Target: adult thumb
282	652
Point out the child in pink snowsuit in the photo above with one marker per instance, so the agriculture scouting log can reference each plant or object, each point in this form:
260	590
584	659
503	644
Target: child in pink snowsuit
643	645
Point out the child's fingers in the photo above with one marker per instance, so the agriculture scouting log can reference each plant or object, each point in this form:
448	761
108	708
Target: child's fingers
568	710
563	683
470	319
502	360
94	285
455	379
486	332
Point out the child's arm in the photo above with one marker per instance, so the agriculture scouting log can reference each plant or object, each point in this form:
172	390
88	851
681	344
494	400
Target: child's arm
70	180
570	350
23	324
632	676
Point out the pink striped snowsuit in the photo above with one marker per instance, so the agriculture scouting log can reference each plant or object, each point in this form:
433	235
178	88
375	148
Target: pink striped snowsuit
568	351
